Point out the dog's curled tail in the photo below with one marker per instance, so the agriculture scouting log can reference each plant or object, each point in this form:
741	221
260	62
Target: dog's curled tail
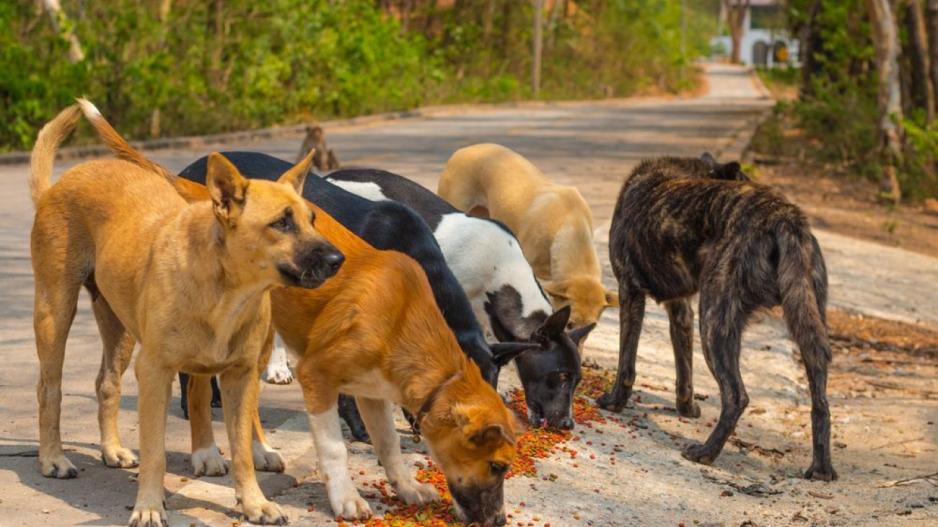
47	144
118	145
802	281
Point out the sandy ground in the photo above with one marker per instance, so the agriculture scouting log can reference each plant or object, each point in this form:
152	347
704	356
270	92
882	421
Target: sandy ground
624	474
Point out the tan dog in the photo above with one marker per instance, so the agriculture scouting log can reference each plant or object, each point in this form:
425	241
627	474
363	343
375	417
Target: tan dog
324	159
553	223
189	282
374	331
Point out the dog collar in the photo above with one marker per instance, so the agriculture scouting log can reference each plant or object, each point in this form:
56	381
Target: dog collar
428	402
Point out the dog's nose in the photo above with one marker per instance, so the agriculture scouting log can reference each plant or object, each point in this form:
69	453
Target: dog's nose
566	424
499	519
333	260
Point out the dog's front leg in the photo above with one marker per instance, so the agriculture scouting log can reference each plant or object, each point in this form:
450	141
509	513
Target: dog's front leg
239	392
333	465
155	382
206	459
631	314
379	420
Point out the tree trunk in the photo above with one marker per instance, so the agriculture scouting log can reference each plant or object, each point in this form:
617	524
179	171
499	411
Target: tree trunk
813	46
920	86
886	40
538	46
931	20
63	27
735	17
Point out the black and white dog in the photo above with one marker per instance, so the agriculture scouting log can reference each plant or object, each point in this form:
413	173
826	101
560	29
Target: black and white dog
487	260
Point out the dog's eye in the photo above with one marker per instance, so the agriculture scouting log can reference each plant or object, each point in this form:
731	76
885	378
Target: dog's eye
499	469
284	224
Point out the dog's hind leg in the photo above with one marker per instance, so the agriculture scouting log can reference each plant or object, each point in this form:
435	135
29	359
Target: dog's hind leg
681	317
265	458
206	458
118	349
722	320
631	314
379	420
804	303
56	297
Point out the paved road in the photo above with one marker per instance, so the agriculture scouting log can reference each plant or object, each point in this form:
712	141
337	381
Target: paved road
591	145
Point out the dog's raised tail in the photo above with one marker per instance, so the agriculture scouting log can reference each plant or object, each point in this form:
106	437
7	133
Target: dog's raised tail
802	280
47	144
118	145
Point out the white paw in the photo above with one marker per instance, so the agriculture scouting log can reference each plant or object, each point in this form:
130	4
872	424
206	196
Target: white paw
277	370
118	457
58	467
266	459
208	461
148	516
348	504
416	493
264	513
278	374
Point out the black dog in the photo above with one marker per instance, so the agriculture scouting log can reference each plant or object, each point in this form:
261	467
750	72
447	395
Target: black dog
686	225
487	260
389	226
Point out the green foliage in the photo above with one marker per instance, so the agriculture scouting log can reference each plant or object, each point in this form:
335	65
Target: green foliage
920	175
220	65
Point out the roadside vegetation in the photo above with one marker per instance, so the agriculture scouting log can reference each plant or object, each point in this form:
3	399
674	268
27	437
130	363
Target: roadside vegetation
839	111
175	67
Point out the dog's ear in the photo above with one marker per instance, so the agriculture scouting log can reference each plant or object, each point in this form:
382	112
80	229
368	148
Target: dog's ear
612	298
555	289
709	160
732	171
580	333
553	326
296	176
227	188
505	352
490	435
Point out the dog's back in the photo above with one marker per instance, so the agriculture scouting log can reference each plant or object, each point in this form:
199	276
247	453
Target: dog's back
678	219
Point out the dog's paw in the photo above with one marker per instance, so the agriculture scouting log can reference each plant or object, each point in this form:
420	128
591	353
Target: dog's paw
208	461
58	467
347	504
143	516
699	454
278	374
612	401
415	493
266	459
688	409
118	457
264	513
820	473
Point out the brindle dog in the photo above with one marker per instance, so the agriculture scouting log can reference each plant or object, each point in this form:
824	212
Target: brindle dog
684	225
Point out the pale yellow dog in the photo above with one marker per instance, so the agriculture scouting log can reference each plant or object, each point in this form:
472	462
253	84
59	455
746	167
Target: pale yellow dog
190	283
553	223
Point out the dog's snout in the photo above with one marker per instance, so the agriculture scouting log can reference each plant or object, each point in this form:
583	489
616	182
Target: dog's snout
333	260
500	519
565	424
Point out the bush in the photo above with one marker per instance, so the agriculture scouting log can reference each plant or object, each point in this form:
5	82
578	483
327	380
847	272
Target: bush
226	65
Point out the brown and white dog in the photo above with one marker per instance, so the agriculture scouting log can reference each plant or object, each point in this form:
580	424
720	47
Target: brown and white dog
374	331
553	223
189	282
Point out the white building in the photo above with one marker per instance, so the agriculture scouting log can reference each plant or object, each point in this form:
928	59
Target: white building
765	40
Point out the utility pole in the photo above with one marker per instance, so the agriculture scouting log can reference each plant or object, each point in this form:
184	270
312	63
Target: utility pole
538	42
